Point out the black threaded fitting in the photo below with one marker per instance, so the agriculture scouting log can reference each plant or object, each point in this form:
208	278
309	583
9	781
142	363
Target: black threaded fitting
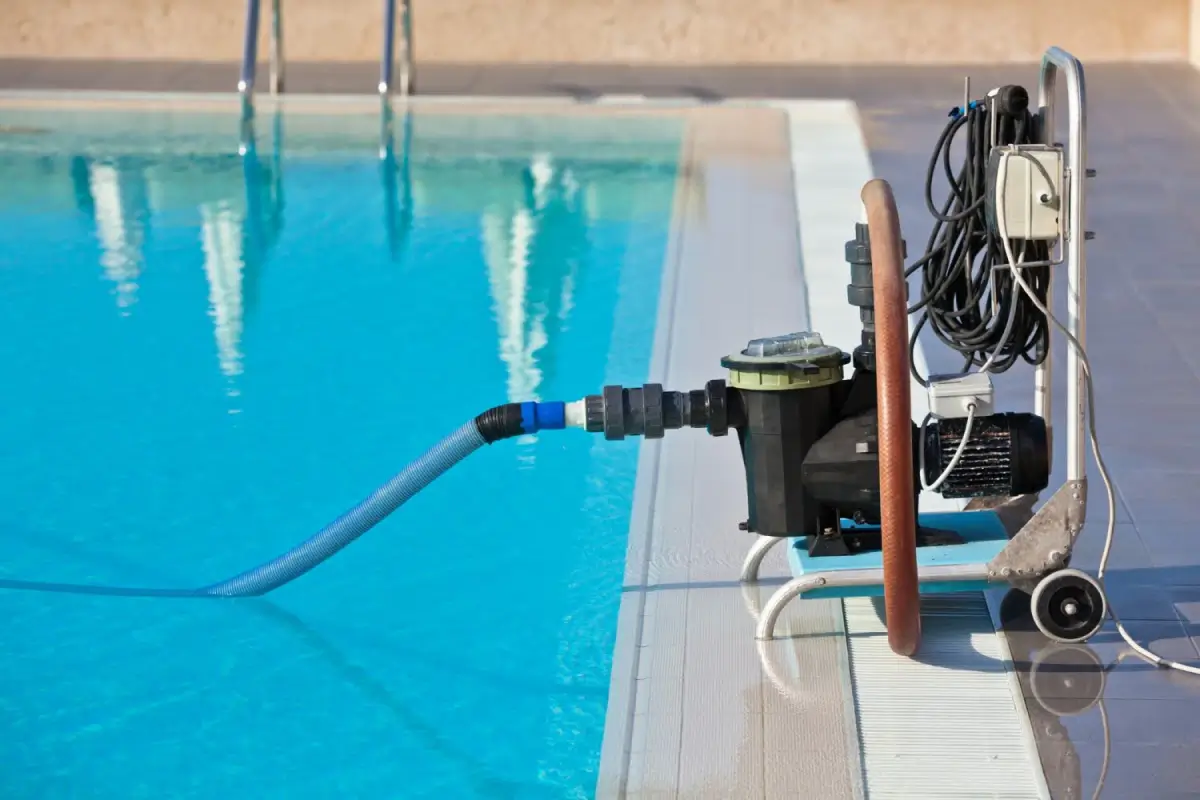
861	291
695	411
593	406
501	422
614	412
649	411
716	407
654	422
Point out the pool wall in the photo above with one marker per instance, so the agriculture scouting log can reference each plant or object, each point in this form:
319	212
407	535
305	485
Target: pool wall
644	32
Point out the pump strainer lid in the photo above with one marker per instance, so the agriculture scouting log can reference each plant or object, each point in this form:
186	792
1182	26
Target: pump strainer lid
793	348
793	361
807	344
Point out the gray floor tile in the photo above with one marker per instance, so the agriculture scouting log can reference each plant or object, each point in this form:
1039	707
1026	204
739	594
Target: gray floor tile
1174	548
1134	771
1157	495
1128	551
1164	722
1055	674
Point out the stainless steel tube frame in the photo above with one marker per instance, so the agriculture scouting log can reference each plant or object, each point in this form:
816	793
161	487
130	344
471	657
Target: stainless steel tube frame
758	551
249	50
765	629
1055	61
276	46
388	59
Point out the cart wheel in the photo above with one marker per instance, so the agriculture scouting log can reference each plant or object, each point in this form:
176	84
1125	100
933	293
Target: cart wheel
1067	679
1068	606
898	516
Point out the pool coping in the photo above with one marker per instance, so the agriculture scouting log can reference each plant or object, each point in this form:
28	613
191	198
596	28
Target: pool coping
617	742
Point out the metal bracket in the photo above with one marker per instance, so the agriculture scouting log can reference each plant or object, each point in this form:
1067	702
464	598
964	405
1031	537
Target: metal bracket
1044	543
853	578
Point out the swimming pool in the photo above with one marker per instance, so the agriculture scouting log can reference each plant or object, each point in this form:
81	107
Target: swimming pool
211	355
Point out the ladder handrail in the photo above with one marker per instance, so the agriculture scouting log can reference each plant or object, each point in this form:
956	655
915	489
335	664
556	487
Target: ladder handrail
276	46
388	58
249	51
246	80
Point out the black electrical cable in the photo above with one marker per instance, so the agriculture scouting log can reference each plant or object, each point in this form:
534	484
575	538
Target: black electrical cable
968	297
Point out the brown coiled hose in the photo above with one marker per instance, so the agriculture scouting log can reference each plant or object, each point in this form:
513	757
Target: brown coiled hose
898	516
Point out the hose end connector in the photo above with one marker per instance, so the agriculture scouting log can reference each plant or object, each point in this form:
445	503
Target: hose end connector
519	419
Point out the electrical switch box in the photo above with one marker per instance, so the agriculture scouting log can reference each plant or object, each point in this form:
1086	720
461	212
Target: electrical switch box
1025	184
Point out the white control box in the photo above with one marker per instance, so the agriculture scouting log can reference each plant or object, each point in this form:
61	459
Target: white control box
949	395
1028	181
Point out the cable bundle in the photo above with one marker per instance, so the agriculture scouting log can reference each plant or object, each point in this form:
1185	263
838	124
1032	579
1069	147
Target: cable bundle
968	296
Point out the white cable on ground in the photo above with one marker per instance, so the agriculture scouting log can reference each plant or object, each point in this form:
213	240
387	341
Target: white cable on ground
1110	532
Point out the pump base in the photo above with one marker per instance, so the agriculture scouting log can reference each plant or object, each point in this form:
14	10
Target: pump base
987	538
982	536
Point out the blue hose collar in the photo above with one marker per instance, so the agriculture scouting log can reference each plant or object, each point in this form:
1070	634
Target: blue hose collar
543	416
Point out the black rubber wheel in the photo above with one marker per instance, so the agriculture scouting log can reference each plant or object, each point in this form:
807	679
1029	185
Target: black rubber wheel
1068	606
1066	679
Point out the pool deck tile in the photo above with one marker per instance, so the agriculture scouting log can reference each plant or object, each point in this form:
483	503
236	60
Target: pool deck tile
711	723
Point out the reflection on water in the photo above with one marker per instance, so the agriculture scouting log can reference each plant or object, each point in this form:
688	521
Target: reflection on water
395	170
222	242
238	231
533	272
536	221
115	194
237	244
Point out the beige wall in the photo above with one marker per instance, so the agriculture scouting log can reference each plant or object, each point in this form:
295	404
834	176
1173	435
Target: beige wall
679	32
1194	33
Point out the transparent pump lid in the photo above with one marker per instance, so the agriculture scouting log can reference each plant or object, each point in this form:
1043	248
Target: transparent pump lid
804	350
802	345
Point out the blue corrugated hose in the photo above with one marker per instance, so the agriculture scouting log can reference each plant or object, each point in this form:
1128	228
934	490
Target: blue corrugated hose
355	522
498	423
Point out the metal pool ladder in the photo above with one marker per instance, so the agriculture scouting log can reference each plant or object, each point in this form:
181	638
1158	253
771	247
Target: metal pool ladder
250	51
387	64
388	59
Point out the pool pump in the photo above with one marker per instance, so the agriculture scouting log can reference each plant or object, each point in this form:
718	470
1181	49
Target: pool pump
809	436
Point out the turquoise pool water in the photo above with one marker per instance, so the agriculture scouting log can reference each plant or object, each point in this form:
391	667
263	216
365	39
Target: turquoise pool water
208	357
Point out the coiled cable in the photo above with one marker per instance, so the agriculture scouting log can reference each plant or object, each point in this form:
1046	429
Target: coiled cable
968	297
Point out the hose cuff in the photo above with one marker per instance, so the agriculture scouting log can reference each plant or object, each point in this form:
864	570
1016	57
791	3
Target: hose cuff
518	419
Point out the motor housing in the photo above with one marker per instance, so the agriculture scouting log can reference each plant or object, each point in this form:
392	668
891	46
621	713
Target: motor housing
1006	455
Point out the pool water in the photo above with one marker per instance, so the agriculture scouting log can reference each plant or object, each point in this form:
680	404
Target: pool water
209	356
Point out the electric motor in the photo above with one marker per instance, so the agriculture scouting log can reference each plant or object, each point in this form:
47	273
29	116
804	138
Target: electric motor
1007	455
